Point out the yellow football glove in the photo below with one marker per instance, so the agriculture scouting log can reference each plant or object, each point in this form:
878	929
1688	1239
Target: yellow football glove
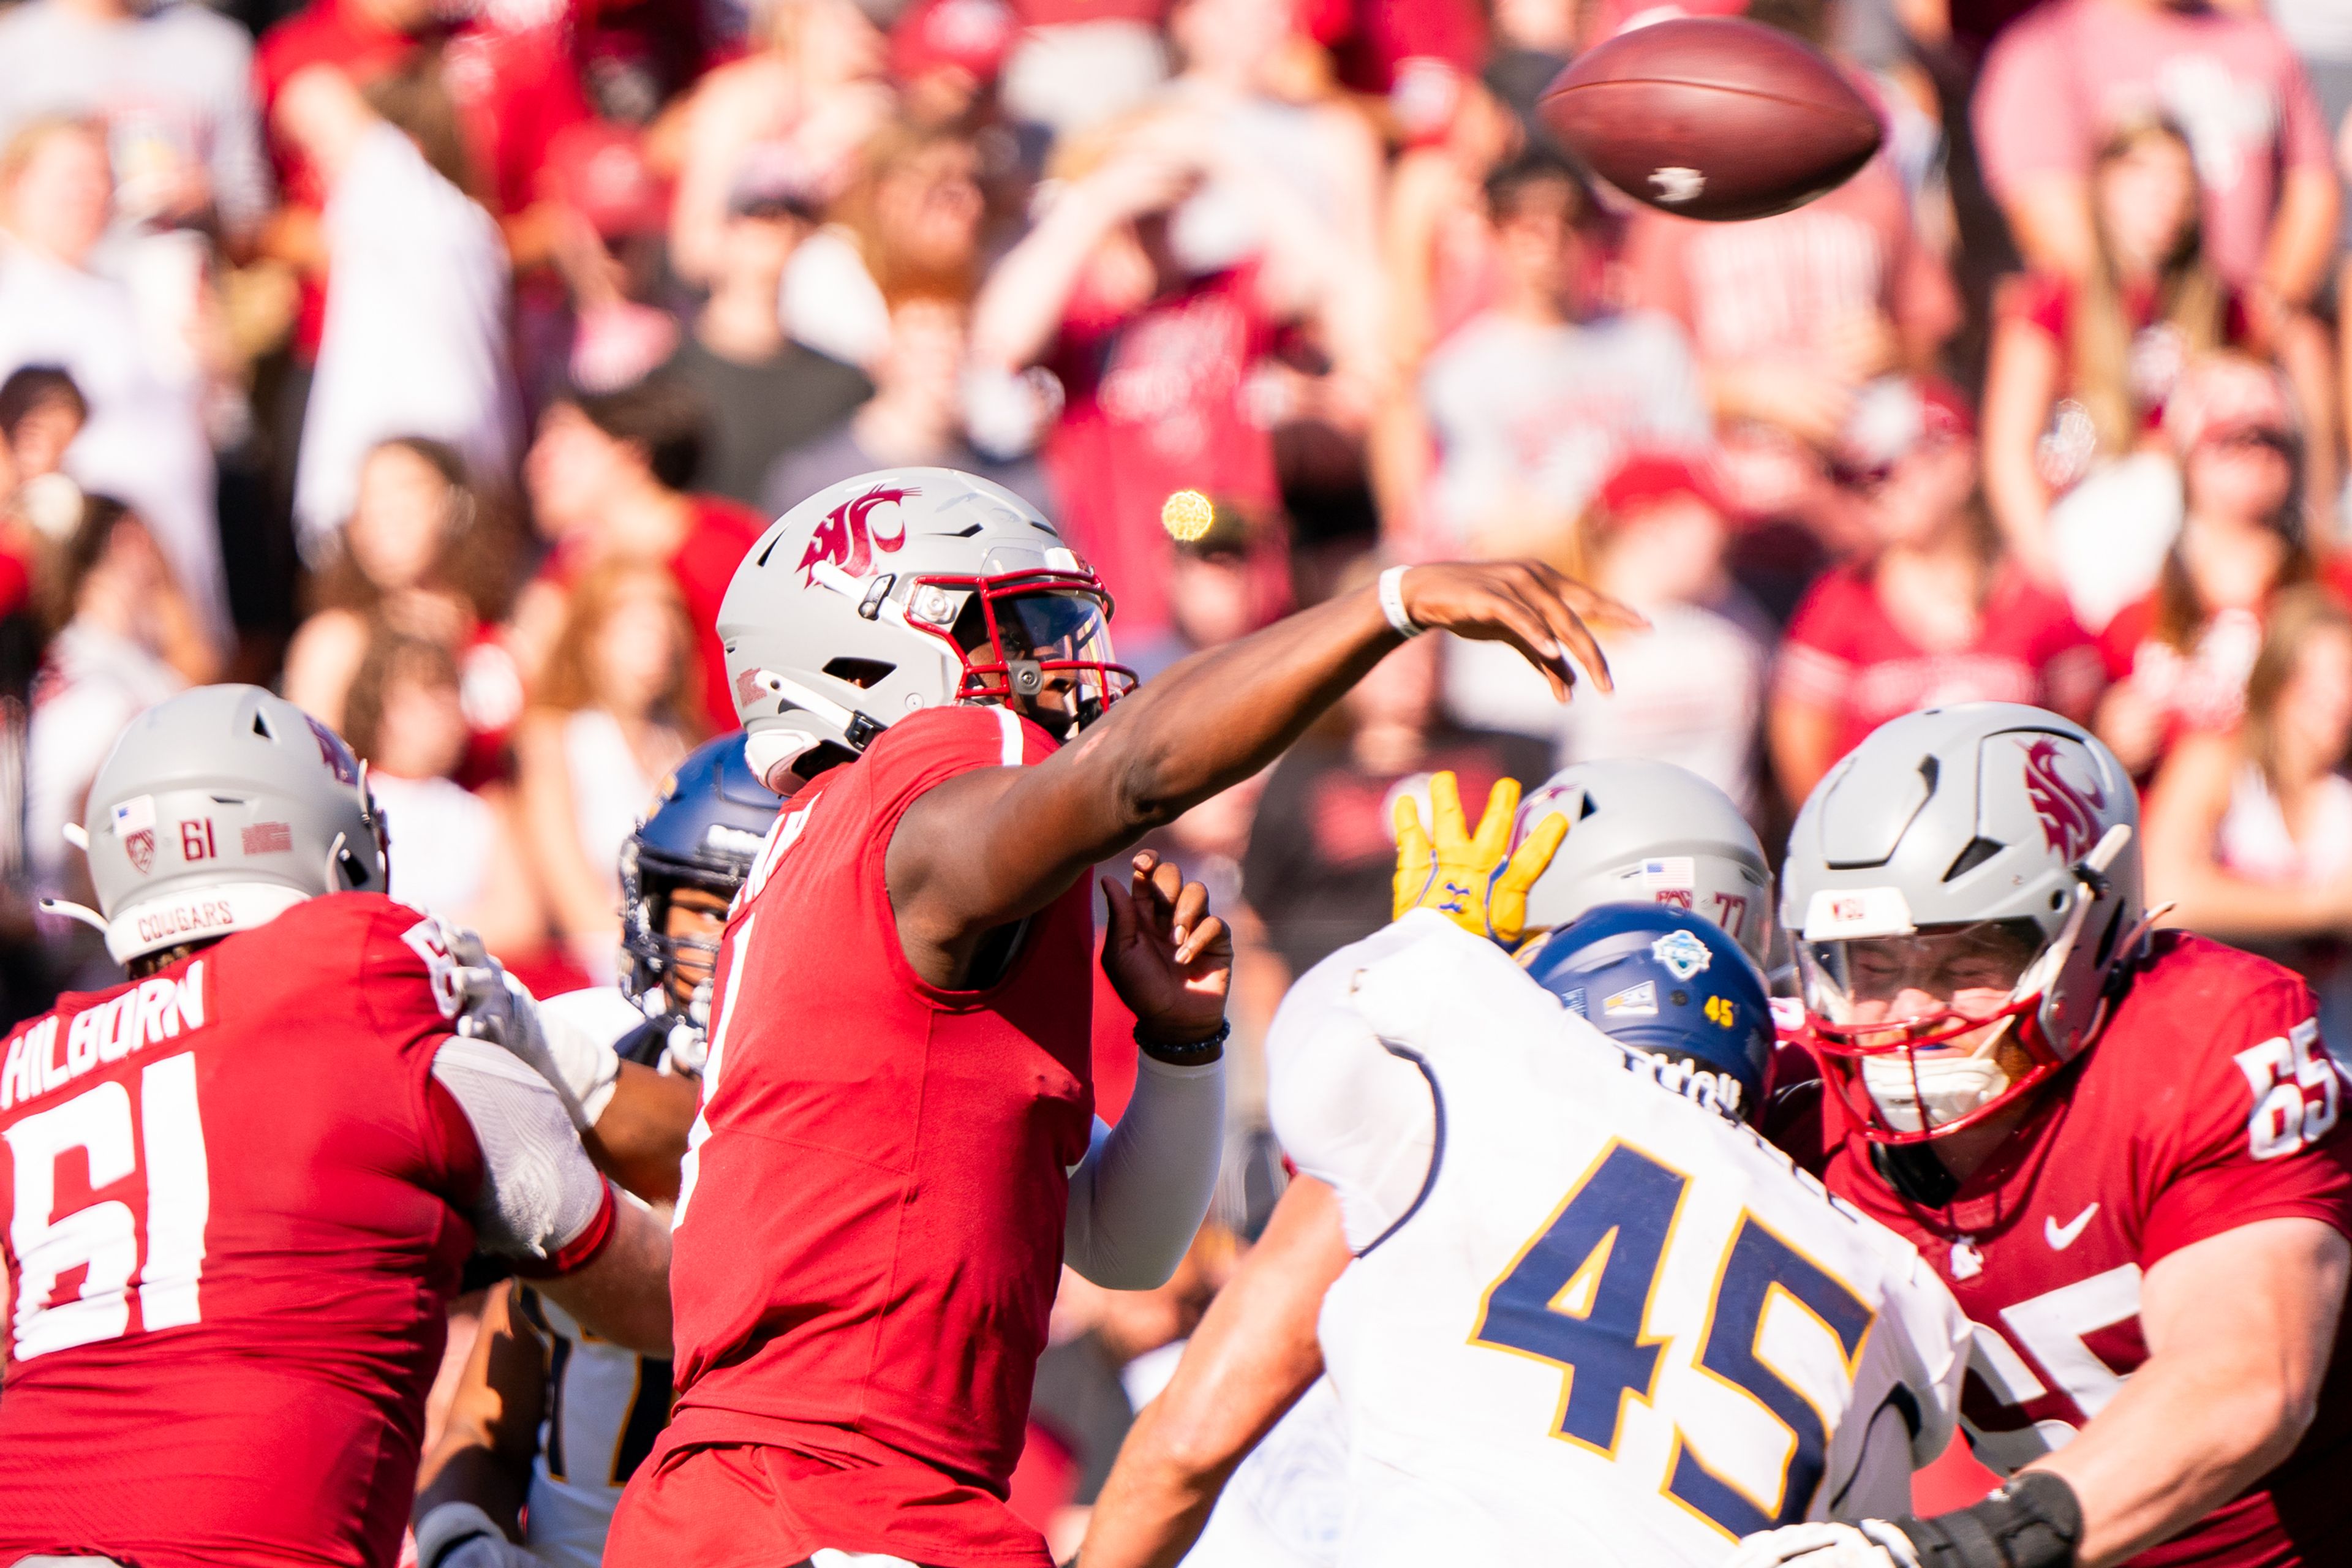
1456	872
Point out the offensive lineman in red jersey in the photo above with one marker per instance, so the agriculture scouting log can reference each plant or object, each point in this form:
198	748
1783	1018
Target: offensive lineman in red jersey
239	1188
2125	1154
894	1155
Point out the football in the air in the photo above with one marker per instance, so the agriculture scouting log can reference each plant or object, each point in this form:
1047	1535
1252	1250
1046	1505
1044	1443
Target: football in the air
1713	117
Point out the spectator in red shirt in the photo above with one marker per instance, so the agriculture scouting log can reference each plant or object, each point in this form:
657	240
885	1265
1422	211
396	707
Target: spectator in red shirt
1936	614
1153	306
2081	367
606	480
2056	84
2179	656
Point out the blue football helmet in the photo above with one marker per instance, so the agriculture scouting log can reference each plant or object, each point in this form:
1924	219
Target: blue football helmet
1670	984
707	826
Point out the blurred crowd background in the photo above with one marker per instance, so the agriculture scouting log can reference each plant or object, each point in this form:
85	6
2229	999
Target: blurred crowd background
435	361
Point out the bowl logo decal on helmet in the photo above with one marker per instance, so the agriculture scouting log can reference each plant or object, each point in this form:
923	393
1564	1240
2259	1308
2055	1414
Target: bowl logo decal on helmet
1683	954
846	539
2069	811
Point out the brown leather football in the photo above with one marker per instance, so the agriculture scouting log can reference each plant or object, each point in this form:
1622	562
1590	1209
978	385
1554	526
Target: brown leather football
1713	117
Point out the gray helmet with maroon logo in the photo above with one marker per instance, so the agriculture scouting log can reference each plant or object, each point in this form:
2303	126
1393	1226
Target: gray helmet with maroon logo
1649	833
219	810
901	589
1985	823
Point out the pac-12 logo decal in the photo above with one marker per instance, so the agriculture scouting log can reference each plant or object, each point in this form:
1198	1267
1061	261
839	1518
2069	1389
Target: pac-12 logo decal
1683	954
134	820
2070	824
845	539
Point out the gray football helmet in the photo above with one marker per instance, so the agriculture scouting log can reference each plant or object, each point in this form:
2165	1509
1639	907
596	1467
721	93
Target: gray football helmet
1649	833
1990	824
219	810
906	589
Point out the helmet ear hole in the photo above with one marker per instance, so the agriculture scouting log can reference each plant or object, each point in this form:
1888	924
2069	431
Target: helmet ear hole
862	673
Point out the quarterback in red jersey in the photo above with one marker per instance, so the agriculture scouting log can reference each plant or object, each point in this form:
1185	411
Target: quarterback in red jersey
2125	1153
896	1149
240	1186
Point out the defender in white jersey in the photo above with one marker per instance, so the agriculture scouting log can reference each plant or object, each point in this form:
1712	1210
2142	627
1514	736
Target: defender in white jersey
1608	1325
1241	1461
550	1422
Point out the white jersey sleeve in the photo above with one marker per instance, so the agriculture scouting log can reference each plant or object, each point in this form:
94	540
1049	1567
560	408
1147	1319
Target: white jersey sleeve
1347	1109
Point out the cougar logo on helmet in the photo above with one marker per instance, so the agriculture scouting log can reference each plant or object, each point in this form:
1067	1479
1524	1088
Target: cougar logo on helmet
845	539
2069	813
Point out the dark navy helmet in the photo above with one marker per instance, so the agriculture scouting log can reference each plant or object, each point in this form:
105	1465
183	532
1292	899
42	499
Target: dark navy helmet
707	826
1672	985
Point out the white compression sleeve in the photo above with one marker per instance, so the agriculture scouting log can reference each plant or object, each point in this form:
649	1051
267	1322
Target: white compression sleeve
1345	1109
1139	1195
539	1191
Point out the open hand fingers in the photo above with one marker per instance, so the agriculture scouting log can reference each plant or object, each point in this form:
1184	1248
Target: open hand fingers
1208	938
1412	843
1495	825
1561	603
1120	908
1446	823
1191	907
1535	852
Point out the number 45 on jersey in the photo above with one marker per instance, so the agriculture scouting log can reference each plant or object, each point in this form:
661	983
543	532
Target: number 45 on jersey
1578	1295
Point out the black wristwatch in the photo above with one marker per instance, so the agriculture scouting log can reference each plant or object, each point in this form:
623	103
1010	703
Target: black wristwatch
1194	1053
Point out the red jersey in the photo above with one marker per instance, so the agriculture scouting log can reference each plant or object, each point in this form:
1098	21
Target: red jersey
1157	403
1845	654
870	1232
2208	1103
238	1210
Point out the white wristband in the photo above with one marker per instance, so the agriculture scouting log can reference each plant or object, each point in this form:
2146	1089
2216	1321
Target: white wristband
1391	593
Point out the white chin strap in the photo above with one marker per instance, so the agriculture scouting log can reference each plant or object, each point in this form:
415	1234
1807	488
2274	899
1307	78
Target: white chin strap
765	750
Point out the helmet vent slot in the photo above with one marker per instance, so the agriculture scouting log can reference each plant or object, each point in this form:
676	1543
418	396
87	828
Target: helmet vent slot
1979	850
862	673
1592	806
2107	950
966	532
261	727
1930	770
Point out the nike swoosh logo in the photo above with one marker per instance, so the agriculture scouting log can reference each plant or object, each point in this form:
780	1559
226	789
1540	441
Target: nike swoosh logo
2062	1237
